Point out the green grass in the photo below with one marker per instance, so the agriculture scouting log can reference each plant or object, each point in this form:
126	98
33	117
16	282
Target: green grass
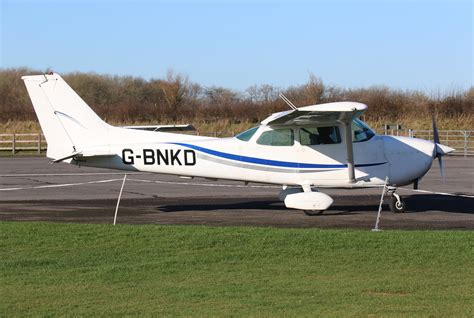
71	269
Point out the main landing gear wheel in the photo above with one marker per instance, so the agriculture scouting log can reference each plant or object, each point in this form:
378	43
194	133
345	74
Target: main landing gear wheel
313	212
397	204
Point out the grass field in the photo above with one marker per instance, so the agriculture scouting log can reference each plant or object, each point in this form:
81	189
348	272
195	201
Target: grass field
70	269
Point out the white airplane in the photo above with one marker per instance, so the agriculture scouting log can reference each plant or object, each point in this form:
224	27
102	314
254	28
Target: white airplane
303	149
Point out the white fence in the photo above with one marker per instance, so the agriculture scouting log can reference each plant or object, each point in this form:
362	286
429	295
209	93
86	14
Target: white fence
461	140
22	142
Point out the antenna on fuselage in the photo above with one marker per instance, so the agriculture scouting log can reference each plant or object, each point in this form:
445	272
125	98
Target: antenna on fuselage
287	101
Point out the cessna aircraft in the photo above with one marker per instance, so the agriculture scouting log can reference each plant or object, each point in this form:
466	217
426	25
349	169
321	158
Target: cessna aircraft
303	149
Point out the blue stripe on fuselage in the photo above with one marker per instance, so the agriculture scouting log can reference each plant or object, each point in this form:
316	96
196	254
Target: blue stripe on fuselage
269	162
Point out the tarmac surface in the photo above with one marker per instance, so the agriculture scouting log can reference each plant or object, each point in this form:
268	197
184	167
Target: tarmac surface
33	190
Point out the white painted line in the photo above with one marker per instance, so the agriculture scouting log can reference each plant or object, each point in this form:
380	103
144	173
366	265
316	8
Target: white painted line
441	193
207	184
69	174
60	185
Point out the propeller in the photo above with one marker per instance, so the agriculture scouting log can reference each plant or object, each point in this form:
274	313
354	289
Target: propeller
439	150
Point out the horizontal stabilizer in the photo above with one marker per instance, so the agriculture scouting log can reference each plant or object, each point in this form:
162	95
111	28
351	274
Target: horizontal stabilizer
65	158
87	153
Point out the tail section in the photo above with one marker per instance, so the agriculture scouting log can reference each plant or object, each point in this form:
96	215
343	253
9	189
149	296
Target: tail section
68	123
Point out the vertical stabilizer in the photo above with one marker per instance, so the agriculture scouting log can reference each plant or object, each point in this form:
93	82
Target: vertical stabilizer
68	123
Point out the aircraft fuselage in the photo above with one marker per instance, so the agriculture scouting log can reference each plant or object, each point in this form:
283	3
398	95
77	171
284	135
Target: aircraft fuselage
401	159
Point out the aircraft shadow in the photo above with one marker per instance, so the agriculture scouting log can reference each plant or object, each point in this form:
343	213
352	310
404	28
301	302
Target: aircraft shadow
415	204
436	202
350	209
276	206
246	205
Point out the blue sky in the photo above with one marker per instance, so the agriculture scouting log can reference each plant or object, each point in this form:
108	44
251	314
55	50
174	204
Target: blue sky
423	45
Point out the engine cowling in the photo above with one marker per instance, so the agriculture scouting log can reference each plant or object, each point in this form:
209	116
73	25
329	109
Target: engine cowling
310	201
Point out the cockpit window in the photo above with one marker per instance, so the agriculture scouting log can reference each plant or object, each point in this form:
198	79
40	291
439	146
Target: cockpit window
277	137
360	131
319	136
247	135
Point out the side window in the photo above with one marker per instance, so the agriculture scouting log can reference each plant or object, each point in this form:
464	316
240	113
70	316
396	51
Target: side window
277	137
319	136
246	135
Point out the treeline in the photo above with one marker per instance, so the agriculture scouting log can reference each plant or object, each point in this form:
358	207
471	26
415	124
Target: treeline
175	98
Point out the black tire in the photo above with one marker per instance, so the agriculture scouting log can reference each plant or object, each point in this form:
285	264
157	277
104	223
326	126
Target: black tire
313	212
397	207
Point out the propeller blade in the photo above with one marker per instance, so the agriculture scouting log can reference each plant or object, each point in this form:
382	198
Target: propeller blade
441	167
438	151
435	132
415	184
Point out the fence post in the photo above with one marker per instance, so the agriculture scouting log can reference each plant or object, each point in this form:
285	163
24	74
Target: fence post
13	144
465	143
39	143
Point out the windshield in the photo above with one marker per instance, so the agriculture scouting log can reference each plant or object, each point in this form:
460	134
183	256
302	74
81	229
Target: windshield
360	131
247	135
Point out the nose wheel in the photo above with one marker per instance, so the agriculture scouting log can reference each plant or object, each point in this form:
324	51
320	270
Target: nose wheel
397	203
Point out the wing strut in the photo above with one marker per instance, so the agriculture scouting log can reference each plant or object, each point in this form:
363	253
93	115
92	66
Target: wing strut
288	102
349	150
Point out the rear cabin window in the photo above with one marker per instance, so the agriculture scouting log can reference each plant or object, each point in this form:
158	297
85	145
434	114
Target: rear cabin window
277	137
247	135
310	136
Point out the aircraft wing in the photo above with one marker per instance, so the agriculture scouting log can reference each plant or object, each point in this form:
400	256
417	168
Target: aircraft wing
331	114
323	113
162	127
